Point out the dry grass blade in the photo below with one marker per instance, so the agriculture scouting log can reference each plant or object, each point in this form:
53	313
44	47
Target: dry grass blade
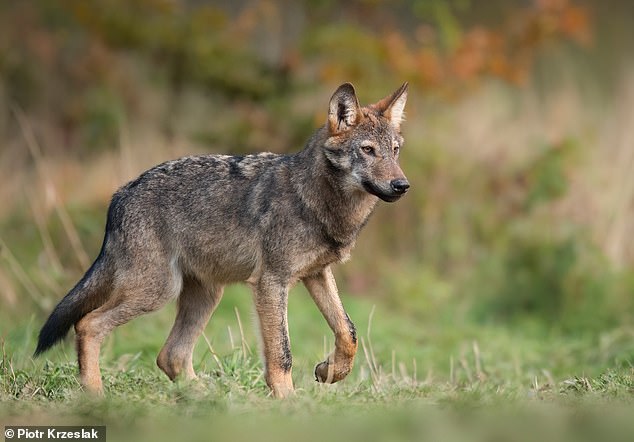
465	367
45	236
246	350
7	290
452	373
213	353
480	374
373	372
231	341
403	370
374	367
24	279
50	189
368	352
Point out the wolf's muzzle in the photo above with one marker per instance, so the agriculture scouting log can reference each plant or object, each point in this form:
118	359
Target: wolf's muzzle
389	192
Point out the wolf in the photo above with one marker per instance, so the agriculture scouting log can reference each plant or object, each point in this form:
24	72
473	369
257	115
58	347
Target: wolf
186	228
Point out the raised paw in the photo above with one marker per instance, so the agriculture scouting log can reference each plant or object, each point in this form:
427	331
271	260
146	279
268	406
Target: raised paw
321	372
329	372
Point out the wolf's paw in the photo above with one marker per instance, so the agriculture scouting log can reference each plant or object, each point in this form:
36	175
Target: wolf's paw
282	391
328	372
321	372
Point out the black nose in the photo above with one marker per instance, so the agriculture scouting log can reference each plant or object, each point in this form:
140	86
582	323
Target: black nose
400	185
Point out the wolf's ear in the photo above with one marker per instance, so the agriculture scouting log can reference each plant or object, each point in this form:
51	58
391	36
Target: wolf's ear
344	110
393	107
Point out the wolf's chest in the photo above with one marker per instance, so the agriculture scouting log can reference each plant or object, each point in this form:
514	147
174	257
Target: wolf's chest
313	260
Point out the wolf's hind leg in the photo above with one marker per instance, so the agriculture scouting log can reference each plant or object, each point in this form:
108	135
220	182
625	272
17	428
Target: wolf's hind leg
323	289
195	306
136	292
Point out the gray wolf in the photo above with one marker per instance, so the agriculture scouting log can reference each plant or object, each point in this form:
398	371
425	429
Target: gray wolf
186	228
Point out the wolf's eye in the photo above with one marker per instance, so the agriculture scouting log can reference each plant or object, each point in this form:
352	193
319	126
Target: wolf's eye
397	149
367	149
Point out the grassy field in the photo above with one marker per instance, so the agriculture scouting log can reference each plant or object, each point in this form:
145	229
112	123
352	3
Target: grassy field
441	380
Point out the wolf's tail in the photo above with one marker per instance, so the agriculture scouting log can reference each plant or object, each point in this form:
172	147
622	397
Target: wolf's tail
89	293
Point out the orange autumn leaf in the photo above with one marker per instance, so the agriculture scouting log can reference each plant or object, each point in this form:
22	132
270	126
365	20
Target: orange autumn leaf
574	22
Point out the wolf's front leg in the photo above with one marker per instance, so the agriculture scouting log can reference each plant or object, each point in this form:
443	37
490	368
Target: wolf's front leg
271	302
323	290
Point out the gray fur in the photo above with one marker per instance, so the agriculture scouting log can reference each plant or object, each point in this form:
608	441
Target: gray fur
187	227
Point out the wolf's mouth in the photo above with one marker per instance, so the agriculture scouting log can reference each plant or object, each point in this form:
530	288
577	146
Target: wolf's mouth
388	195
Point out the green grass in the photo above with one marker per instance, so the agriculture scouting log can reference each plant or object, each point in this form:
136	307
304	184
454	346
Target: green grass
414	379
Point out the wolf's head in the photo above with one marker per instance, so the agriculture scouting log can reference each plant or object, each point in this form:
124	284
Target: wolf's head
363	143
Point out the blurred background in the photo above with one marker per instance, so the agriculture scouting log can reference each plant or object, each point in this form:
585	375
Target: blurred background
519	145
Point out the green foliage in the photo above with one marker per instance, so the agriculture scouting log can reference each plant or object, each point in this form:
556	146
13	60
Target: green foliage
443	13
557	279
102	118
82	66
546	175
